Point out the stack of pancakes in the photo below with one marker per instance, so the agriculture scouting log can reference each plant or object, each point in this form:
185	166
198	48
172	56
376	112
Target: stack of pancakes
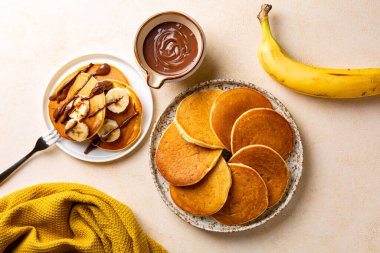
189	155
102	108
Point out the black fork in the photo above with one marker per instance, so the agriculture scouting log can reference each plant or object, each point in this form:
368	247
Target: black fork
42	143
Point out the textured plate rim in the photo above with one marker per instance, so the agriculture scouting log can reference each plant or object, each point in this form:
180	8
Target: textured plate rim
274	211
112	155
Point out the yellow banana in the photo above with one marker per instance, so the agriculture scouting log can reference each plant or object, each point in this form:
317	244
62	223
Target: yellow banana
309	80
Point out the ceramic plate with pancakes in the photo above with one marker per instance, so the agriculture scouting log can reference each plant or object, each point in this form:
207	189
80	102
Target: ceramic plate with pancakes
294	162
136	81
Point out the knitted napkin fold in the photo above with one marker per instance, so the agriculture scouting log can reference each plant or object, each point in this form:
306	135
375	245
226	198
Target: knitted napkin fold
66	217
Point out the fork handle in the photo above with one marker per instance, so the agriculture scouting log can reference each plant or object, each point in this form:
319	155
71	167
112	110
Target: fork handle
11	169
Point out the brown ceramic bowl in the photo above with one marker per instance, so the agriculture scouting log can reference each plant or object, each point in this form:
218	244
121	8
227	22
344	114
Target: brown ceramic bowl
155	79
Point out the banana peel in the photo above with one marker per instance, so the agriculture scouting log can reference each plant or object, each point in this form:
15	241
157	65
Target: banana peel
310	80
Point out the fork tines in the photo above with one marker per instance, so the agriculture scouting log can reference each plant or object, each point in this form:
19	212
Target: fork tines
51	137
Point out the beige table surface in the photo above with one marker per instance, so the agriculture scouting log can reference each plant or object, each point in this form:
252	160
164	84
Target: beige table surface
337	205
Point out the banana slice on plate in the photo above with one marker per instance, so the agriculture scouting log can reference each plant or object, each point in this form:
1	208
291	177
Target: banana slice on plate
117	100
76	130
108	125
81	108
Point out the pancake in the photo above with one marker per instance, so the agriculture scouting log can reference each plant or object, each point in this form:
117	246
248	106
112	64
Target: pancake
93	123
263	126
130	132
114	74
193	119
229	106
182	163
247	199
270	166
207	196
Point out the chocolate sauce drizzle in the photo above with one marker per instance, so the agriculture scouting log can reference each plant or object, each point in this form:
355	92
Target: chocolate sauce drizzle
68	109
126	122
97	140
100	87
103	70
93	145
64	90
71	127
114	101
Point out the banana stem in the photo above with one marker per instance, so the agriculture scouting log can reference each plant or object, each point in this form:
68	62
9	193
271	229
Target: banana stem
263	17
265	9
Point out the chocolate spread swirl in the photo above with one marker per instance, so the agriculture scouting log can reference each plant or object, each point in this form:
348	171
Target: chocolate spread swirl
170	48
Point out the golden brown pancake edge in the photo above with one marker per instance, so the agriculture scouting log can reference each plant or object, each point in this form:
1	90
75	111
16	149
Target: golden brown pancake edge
270	166
130	133
229	106
272	130
193	119
240	206
178	161
208	195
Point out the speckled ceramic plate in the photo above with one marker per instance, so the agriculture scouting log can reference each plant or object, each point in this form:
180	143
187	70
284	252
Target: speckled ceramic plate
294	161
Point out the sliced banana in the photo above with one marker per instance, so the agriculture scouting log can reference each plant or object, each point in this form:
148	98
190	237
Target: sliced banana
108	125
76	130
119	98
80	108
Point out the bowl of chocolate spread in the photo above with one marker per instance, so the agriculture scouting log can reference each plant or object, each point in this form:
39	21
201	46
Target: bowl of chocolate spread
169	46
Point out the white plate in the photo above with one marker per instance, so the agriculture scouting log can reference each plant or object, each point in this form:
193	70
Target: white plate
137	82
294	161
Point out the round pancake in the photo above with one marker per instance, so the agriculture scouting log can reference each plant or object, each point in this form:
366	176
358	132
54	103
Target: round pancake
130	132
193	119
182	163
114	74
208	195
93	123
229	106
270	166
263	126
247	199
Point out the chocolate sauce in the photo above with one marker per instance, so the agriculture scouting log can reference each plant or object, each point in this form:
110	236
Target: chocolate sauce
97	140
95	112
71	127
103	70
61	109
99	88
68	109
93	145
170	48
64	90
58	112
126	122
114	101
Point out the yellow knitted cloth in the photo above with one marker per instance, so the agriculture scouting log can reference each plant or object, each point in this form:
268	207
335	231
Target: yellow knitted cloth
65	217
